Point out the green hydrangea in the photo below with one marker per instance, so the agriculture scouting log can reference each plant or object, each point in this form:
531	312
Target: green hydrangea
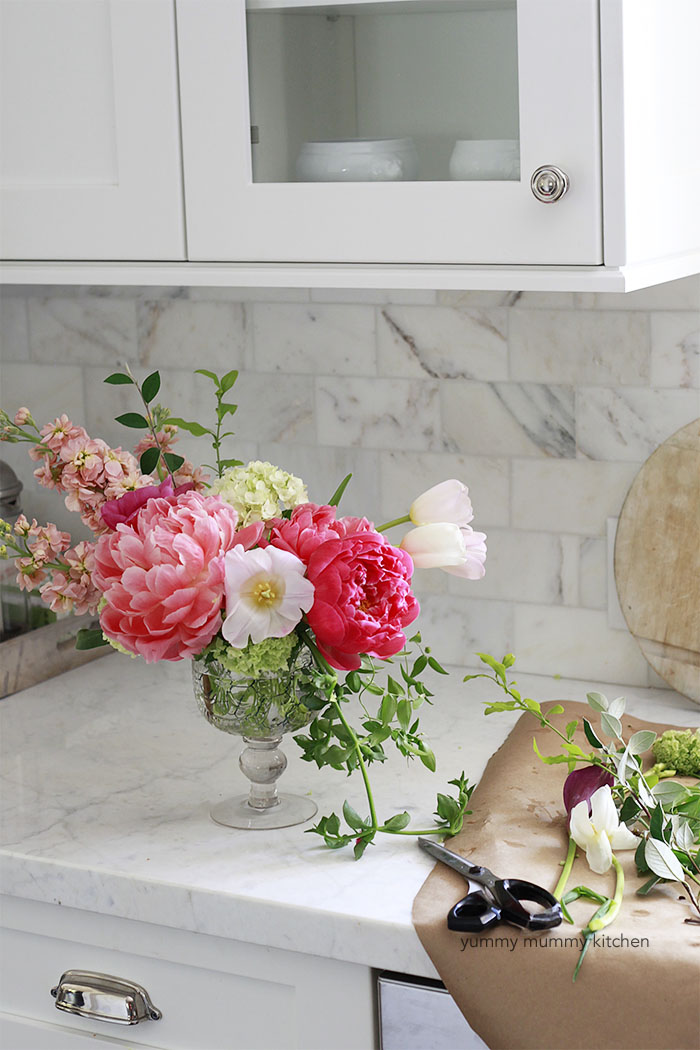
259	491
678	750
272	654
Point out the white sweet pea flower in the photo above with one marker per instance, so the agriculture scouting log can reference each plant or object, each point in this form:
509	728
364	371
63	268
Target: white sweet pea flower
444	545
447	502
602	832
266	594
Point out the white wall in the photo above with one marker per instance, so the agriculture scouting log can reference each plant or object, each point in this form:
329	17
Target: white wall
544	404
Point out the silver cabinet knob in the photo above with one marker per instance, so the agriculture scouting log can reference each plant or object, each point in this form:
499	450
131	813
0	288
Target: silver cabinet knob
549	184
104	998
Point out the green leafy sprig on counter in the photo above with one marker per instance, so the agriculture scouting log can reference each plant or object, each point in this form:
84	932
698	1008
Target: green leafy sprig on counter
332	741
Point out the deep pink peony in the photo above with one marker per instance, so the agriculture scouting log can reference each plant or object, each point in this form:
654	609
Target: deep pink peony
162	575
119	511
309	526
362	598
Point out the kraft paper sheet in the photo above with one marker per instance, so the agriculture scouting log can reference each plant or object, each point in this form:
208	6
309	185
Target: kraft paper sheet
641	992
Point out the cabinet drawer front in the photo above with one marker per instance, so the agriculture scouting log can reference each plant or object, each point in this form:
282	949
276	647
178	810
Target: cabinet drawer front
266	1000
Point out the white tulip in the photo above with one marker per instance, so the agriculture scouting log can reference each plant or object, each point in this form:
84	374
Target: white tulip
602	832
447	502
444	545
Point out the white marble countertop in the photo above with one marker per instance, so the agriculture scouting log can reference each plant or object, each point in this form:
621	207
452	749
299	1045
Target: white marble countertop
108	773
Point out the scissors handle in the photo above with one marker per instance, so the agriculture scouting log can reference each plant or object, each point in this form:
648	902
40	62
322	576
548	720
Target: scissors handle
475	912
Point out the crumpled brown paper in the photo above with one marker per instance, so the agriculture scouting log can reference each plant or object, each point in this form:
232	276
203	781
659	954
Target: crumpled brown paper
639	985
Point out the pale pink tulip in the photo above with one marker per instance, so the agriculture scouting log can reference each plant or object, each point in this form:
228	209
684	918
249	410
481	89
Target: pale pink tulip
444	545
447	502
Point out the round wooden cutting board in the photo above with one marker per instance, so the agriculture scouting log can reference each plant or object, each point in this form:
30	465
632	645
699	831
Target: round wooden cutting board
657	560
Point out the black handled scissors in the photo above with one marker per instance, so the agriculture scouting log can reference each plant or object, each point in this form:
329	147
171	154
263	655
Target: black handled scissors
500	903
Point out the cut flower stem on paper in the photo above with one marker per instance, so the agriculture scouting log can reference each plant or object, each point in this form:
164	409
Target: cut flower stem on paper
612	802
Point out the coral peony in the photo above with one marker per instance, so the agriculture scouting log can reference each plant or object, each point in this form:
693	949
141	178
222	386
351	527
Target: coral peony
309	526
162	575
362	598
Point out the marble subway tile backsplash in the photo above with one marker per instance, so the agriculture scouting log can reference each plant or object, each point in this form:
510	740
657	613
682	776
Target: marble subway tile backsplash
546	404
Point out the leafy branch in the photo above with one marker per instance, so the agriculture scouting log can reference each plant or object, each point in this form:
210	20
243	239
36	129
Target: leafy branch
333	741
223	409
156	458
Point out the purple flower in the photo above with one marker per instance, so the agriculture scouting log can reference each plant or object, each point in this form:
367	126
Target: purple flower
580	785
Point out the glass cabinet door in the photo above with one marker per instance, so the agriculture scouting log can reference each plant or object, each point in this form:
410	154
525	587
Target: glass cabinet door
391	131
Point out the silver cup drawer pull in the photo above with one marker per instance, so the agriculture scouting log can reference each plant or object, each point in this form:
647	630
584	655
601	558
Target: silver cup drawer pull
104	998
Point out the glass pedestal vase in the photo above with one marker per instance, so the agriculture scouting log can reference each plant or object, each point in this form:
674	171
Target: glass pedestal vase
261	708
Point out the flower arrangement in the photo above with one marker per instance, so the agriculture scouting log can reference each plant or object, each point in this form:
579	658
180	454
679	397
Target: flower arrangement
613	804
242	570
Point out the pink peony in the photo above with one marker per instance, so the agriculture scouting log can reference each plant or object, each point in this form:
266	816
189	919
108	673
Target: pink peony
362	598
119	511
309	526
162	575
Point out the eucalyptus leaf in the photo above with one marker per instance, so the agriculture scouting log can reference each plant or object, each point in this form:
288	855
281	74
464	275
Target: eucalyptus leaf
663	861
597	701
684	836
641	741
669	792
616	707
611	725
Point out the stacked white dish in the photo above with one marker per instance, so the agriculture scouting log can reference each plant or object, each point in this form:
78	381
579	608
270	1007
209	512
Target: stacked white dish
358	160
485	160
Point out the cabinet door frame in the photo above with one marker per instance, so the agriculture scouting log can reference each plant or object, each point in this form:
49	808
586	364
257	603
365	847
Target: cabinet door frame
230	218
139	216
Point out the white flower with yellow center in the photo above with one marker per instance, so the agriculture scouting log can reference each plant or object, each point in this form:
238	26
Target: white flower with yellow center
266	594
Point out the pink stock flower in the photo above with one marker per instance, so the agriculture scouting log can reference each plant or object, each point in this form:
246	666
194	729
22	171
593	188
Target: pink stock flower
162	575
22	417
362	598
56	434
309	526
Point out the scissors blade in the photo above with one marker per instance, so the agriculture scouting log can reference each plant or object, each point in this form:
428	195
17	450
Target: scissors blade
453	860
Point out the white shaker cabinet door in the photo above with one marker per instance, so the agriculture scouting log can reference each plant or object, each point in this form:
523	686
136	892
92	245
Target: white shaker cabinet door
262	81
89	130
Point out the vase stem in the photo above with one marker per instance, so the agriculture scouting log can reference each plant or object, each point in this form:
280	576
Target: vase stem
263	763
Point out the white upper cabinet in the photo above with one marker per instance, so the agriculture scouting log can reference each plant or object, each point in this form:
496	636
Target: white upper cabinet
527	144
90	163
317	133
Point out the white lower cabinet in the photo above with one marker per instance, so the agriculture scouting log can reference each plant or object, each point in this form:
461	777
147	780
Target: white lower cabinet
214	993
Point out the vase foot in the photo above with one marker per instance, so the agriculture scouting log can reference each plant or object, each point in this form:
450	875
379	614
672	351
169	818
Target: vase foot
238	813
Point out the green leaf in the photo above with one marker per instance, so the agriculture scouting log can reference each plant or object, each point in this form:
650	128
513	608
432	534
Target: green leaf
656	823
648	886
397	822
508	660
150	387
641	741
226	463
338	494
571	728
353	682
663	861
436	666
205	372
387	708
174	462
228	380
616	707
149	460
192	428
549	760
420	665
352	817
640	859
360	847
134	420
590	734
611	725
597	701
495	666
669	792
225	408
90	638
428	759
393	686
404	712
629	809
118	379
